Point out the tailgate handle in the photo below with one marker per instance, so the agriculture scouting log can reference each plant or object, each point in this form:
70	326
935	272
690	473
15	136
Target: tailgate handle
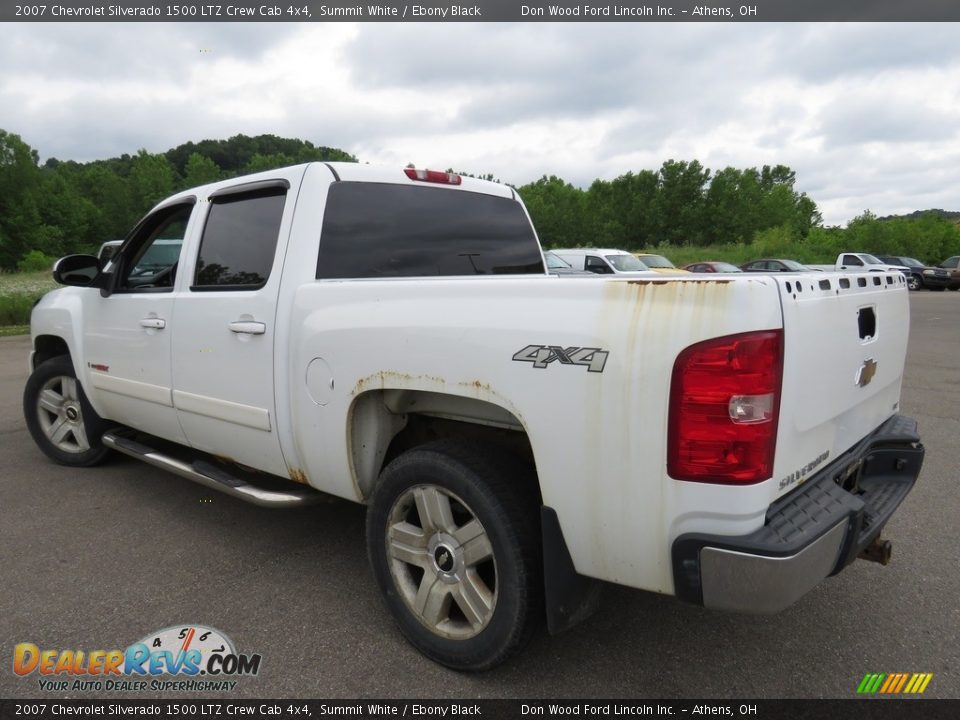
153	322
247	327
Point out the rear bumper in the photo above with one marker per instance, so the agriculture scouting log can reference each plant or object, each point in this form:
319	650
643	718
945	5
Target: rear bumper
809	534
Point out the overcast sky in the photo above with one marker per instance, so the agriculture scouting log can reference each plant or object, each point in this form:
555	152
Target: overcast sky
867	114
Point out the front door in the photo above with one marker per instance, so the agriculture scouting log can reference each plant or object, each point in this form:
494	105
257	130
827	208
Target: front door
127	335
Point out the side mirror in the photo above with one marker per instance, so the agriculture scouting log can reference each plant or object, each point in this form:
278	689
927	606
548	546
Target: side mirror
76	270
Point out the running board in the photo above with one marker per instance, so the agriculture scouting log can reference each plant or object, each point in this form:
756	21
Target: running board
204	472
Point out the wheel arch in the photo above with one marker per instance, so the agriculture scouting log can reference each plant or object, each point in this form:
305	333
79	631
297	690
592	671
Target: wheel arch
382	424
46	347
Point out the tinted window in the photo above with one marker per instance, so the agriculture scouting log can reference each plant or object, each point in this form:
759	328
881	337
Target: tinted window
373	230
240	241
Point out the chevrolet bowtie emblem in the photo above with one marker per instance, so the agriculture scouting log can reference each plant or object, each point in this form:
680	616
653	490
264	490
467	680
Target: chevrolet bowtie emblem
866	372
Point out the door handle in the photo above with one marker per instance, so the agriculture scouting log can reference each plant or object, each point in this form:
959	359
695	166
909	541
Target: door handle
152	322
247	327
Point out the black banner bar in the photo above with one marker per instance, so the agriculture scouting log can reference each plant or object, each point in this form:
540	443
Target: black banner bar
484	11
875	709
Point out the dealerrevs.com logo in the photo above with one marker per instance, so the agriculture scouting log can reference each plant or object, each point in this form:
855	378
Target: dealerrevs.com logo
187	658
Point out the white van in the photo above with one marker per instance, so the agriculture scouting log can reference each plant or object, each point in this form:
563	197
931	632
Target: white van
602	262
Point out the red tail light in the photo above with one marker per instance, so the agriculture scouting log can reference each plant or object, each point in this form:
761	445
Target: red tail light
724	406
434	176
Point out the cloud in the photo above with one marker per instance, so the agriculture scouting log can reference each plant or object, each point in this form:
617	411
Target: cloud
865	113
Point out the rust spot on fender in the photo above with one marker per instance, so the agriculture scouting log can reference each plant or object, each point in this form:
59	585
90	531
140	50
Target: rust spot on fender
298	476
379	380
672	281
478	386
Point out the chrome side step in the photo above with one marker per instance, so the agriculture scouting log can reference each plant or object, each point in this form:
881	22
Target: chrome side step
209	475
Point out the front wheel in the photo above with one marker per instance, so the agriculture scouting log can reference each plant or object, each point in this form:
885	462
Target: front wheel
453	539
914	283
59	417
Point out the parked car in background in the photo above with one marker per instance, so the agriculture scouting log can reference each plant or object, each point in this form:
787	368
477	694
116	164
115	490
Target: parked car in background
556	265
858	262
918	274
601	261
768	265
953	265
658	263
712	266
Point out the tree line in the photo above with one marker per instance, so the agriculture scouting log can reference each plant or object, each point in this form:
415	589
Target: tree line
58	207
61	207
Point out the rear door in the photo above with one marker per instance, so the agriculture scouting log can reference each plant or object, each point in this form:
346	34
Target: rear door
223	344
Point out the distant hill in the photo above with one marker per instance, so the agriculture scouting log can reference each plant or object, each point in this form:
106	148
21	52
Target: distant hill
235	155
951	215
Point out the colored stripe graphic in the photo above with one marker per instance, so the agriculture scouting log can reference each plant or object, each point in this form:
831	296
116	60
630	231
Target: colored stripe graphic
894	683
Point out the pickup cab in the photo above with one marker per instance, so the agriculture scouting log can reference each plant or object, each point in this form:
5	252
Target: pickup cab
861	262
602	261
392	337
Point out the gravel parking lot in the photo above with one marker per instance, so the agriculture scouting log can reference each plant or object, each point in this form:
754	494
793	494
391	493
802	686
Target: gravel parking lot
97	559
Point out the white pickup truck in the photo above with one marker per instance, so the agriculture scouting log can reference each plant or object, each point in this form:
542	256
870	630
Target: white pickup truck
860	263
391	337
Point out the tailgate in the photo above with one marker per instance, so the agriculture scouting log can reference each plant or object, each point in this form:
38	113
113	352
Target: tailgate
845	343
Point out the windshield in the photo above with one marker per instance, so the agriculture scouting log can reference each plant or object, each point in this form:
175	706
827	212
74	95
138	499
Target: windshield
794	265
625	263
726	267
909	262
555	262
657	261
870	259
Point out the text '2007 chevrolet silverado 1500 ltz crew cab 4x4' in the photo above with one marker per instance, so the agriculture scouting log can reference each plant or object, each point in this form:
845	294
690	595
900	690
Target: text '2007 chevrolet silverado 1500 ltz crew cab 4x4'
392	337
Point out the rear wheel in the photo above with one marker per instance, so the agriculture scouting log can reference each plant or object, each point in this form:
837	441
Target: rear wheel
59	417
453	538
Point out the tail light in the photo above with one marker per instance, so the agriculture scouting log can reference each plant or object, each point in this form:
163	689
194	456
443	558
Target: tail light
434	176
724	406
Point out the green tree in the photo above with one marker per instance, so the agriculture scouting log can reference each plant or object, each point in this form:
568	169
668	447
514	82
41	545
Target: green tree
621	211
679	206
152	178
260	163
557	210
200	170
730	207
19	183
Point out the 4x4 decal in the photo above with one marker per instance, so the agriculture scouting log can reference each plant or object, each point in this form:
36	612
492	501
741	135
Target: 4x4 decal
542	355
